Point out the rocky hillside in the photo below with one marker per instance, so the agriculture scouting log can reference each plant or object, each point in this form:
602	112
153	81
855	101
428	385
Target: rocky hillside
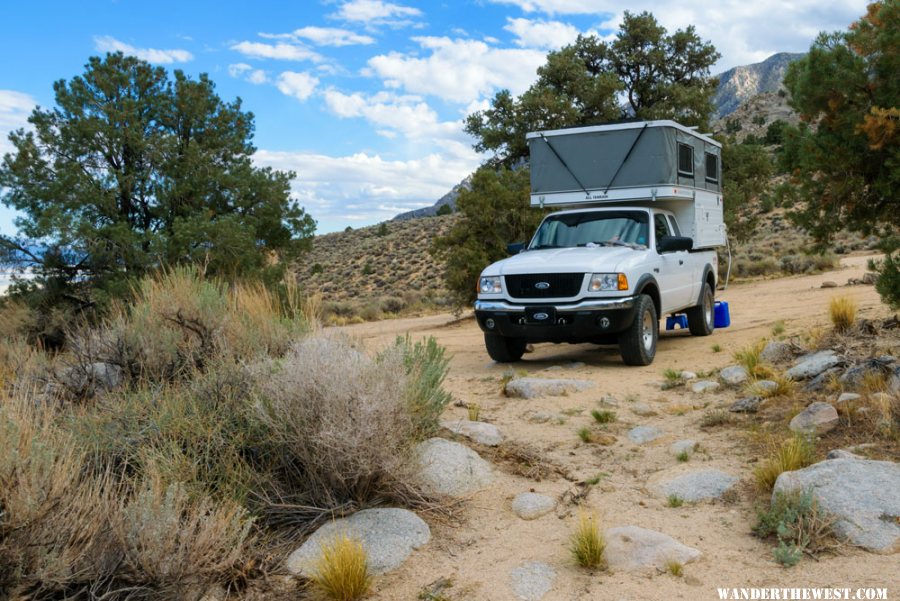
447	199
739	84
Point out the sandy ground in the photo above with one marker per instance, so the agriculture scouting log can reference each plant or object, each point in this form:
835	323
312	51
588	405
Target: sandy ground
478	552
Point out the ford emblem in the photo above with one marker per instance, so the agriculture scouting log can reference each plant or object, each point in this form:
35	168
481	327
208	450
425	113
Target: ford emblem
542	285
541	316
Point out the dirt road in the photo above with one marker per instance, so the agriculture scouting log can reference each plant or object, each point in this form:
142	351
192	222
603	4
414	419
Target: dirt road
479	554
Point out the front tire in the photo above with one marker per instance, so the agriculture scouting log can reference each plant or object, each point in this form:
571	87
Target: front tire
503	349
638	343
701	319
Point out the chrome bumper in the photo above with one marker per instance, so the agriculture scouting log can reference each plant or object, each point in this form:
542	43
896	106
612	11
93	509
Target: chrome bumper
599	304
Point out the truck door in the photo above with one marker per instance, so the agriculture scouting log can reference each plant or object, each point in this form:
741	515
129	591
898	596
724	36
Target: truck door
674	276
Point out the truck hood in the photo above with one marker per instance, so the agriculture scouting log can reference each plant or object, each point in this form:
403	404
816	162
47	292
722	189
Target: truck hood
604	259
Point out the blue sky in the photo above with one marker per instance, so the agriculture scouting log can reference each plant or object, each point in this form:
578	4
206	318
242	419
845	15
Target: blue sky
364	99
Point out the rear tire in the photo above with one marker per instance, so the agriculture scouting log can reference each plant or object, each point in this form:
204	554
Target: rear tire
638	343
701	319
503	349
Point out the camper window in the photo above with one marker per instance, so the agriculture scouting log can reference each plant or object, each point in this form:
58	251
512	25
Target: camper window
712	167
685	159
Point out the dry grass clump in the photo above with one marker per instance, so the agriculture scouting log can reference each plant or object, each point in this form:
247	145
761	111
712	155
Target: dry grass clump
749	358
716	417
842	312
793	454
675	568
586	542
341	572
784	387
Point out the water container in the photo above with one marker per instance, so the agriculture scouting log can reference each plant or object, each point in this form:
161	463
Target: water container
676	320
722	316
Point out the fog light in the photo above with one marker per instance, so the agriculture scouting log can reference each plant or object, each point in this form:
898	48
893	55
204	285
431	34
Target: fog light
604	322
489	323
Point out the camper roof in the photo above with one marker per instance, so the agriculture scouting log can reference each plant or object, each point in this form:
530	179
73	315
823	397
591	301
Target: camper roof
621	126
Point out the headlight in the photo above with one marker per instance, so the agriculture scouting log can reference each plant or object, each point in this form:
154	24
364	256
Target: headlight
490	285
608	281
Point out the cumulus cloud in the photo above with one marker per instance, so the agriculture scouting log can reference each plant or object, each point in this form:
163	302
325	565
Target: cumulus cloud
299	85
245	71
279	51
324	36
153	55
392	114
366	188
15	107
742	31
458	70
374	13
546	35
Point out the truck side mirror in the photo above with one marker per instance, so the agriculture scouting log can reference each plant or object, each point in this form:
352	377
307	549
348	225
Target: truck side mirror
515	248
674	243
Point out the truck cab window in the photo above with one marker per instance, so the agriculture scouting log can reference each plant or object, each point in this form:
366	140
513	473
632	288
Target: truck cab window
661	226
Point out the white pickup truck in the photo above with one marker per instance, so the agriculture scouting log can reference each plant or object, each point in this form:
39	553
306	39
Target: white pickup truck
606	274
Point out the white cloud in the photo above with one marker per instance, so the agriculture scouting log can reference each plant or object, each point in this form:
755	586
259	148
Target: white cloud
744	32
279	51
458	70
366	188
324	36
546	35
391	113
163	57
15	107
245	71
299	85
374	13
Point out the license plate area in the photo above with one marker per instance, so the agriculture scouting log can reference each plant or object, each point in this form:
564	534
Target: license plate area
541	315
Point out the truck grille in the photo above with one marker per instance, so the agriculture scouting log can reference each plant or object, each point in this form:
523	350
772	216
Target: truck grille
544	285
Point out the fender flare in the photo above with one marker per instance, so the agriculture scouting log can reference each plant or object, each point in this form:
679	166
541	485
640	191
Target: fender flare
648	280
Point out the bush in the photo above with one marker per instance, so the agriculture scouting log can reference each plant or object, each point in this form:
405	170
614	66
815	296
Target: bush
587	544
792	454
426	367
342	571
798	524
842	311
888	282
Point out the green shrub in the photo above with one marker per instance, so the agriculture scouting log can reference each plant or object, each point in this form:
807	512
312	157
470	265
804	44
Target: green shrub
426	367
888	282
798	524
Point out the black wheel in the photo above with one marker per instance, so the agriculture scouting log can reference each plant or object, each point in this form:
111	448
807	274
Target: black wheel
701	319
638	343
503	349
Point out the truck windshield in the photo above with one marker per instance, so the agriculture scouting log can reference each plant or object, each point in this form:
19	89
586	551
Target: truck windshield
601	228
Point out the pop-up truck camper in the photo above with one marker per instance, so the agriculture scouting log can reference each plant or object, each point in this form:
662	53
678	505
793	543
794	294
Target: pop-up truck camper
642	216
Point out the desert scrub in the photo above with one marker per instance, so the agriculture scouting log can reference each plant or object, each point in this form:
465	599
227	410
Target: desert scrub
749	358
586	542
473	411
603	416
799	525
341	572
675	568
716	417
426	367
674	501
792	454
842	312
672	378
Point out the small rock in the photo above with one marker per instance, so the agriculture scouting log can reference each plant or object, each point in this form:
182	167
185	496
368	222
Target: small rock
748	404
869	278
574	365
631	548
812	365
765	385
609	400
541	417
553	368
705	386
829	284
821	382
861	494
734	375
603	438
846	398
842	454
530	506
817	418
530	388
687	376
388	535
644	434
682	446
692	486
449	468
532	580
642	409
776	352
480	432
87	380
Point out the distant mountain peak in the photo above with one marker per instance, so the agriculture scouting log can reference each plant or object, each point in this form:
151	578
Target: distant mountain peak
739	84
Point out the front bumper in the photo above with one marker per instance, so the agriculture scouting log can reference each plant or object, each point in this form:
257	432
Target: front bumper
584	321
